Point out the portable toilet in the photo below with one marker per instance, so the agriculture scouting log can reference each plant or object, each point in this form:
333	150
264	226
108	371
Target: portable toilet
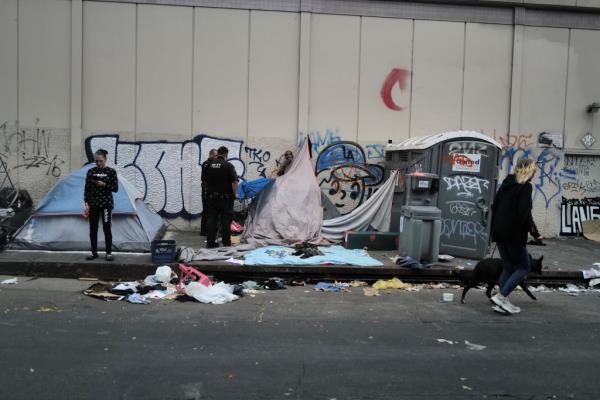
467	164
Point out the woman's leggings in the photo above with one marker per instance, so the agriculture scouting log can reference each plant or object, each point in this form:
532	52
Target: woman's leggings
106	215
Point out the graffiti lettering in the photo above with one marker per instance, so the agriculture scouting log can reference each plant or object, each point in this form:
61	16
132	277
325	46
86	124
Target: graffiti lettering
468	148
319	140
167	174
470	230
464	208
259	159
31	148
466	185
573	212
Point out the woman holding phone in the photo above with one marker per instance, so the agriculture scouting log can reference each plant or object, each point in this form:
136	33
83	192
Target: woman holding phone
100	183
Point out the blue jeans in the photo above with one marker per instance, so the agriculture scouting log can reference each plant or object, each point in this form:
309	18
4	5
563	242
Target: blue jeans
515	266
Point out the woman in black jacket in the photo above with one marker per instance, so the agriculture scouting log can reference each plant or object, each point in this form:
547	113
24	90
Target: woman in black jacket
100	183
511	222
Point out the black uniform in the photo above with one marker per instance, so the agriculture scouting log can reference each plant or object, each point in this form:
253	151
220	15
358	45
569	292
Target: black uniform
204	217
218	176
100	201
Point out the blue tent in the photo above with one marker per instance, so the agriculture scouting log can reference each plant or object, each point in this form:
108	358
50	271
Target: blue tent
67	196
57	223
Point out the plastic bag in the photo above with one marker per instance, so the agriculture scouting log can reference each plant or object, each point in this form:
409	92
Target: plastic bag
219	293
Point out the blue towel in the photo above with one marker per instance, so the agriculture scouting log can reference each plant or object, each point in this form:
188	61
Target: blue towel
281	255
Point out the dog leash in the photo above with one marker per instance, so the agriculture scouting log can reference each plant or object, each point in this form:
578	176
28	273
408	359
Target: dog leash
493	251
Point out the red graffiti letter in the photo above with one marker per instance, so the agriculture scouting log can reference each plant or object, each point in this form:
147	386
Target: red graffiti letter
395	75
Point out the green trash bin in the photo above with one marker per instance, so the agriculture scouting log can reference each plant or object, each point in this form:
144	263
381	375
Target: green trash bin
420	228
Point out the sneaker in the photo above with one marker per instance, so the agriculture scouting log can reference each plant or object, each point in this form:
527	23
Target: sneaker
92	256
505	304
109	257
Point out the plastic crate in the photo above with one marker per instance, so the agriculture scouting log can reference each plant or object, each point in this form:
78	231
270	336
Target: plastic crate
163	251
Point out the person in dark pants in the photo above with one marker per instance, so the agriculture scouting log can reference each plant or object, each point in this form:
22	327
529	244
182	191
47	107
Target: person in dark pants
511	222
100	183
212	154
221	188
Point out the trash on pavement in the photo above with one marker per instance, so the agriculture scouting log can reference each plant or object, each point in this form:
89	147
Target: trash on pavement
163	274
11	281
332	287
473	346
124	286
393	283
191	274
251	285
446	341
590	273
540	288
100	290
572	290
594	282
274	284
358	283
235	261
219	293
447	297
369	291
408	262
137	298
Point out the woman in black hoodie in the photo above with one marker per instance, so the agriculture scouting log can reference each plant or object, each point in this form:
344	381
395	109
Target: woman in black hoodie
511	222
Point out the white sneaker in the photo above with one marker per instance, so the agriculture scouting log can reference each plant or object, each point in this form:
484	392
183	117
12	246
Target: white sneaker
505	304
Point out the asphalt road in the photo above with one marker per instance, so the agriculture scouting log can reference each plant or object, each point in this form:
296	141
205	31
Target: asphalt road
56	343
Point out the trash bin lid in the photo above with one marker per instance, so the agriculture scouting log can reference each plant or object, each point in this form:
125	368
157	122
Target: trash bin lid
424	142
421	212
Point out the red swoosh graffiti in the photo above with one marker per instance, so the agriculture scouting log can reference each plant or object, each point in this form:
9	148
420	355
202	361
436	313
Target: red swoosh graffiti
396	75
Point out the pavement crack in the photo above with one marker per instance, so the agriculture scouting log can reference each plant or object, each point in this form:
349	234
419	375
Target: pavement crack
300	379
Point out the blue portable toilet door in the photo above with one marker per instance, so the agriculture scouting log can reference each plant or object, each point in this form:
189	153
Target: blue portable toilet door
468	178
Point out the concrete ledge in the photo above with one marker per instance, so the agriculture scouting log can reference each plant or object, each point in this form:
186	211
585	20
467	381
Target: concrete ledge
126	268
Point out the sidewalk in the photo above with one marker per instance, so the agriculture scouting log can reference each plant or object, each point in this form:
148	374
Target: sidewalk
563	260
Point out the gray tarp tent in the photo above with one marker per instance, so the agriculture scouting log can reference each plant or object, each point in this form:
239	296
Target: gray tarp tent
57	223
288	210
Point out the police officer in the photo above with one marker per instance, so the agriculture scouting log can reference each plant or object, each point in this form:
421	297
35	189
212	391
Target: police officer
221	186
212	154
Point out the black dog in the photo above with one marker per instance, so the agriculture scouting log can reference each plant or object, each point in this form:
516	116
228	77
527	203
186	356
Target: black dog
489	270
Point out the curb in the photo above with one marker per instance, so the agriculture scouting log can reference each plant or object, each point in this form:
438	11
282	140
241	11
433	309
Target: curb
135	270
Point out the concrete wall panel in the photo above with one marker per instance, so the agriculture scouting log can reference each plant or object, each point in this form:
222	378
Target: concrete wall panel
385	68
109	67
9	61
164	69
583	88
335	42
486	96
220	82
44	63
544	76
437	77
274	62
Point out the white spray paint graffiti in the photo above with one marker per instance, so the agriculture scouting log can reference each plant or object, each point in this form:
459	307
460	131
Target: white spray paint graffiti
466	185
465	229
167	174
464	208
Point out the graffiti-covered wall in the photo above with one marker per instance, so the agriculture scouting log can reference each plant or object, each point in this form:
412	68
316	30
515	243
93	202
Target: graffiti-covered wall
166	83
